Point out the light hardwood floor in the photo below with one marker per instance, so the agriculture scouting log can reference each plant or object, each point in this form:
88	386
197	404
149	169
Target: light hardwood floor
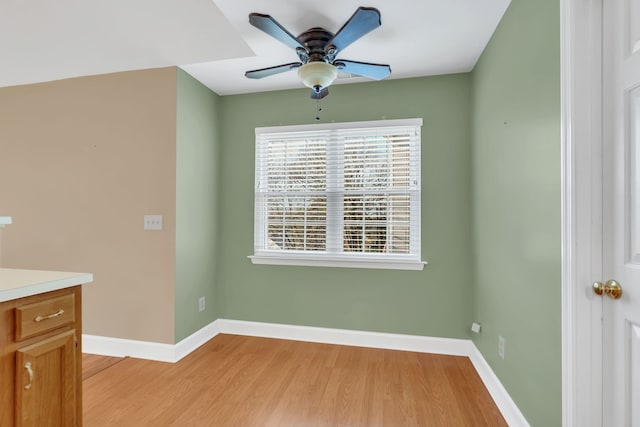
92	364
247	381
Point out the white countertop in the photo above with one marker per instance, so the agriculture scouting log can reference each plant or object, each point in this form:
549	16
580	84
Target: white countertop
23	283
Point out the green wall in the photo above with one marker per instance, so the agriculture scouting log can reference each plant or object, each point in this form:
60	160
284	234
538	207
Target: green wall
516	193
433	302
490	210
197	142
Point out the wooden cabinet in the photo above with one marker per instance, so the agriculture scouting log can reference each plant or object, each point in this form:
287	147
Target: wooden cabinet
40	362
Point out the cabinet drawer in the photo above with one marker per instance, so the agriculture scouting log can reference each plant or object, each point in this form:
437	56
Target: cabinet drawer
43	316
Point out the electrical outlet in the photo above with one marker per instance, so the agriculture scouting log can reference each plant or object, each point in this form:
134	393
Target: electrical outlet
153	222
501	344
201	304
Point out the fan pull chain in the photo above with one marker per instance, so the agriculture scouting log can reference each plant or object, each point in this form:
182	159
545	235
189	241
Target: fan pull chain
318	109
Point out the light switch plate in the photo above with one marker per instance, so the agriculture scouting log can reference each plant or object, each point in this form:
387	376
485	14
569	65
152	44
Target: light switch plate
153	222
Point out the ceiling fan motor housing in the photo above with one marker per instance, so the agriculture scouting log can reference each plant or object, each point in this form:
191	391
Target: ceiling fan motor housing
315	42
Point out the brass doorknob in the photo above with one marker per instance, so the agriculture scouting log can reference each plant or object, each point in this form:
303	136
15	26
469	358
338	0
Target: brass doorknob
611	288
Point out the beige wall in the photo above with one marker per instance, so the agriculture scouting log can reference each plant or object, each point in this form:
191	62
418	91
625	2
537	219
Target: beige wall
81	161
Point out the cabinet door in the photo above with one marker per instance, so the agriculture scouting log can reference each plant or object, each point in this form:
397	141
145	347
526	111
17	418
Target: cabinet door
46	382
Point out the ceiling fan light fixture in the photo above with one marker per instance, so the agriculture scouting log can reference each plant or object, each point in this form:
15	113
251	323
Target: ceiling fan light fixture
317	74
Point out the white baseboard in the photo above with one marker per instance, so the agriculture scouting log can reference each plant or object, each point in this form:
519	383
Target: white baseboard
416	343
172	353
507	406
195	340
118	347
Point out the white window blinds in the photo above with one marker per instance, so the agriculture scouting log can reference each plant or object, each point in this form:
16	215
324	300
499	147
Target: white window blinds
342	191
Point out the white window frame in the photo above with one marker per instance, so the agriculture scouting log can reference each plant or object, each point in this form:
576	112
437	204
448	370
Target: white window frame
263	255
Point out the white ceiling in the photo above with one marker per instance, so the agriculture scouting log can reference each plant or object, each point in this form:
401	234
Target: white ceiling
42	40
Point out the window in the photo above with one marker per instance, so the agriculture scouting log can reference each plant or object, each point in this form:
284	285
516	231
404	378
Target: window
339	194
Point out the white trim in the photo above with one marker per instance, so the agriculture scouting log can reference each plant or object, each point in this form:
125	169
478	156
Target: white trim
580	32
195	340
340	125
504	402
454	347
118	347
567	213
337	262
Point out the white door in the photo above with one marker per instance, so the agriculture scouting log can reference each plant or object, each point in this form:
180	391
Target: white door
621	212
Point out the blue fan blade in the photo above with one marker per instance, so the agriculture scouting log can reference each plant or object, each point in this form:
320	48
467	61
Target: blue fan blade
270	26
364	69
265	72
361	22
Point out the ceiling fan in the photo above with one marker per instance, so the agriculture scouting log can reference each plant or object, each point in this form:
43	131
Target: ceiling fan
317	49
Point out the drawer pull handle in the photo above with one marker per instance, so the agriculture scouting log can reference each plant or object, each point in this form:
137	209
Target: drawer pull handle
50	316
27	366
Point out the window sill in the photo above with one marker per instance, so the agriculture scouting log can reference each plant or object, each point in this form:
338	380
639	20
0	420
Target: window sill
337	262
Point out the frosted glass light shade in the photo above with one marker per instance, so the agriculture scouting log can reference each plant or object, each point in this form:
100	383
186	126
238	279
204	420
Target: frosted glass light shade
317	73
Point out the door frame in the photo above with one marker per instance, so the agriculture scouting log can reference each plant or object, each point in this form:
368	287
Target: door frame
581	156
